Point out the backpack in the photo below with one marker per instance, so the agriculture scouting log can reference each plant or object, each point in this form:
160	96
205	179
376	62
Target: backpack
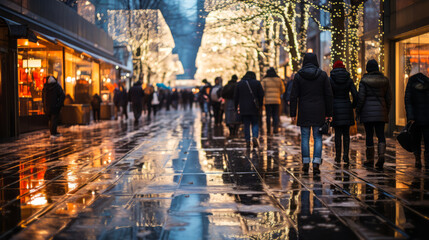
215	94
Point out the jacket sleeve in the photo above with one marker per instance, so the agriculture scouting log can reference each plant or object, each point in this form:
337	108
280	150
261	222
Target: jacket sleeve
236	97
260	95
282	87
408	103
388	98
294	97
60	96
354	93
329	98
361	98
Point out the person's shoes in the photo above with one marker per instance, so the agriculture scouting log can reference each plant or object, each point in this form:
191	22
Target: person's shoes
255	142
369	156
381	153
247	144
418	161
305	167
316	169
276	130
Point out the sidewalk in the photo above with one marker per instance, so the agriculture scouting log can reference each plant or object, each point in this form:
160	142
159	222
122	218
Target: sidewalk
178	178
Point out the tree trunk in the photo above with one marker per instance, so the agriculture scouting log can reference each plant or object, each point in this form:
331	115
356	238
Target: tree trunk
338	43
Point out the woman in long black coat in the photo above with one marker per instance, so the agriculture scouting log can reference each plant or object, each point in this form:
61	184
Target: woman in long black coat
417	107
342	85
373	110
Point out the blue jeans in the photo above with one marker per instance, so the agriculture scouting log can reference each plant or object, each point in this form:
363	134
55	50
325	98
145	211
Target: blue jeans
305	144
247	120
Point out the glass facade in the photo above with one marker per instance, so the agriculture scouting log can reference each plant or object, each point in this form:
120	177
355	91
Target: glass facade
35	62
81	77
412	56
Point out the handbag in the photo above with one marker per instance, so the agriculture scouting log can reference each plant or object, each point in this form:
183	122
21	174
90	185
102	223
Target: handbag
405	137
324	129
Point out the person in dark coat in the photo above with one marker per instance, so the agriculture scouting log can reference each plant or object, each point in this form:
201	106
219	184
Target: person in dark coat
312	97
96	105
116	94
53	99
373	110
216	100
123	101
417	107
248	100
135	96
230	113
342	85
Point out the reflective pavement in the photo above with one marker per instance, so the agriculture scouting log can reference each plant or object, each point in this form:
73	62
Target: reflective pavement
180	177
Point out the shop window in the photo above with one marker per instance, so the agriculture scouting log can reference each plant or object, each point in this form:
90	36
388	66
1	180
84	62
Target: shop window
35	62
109	80
81	78
412	56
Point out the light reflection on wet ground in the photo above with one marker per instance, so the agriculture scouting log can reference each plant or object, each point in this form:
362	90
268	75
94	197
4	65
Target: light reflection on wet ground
180	178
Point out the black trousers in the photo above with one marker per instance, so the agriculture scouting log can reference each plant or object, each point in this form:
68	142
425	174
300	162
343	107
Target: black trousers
125	111
53	123
419	132
272	111
379	132
137	110
342	133
96	114
217	112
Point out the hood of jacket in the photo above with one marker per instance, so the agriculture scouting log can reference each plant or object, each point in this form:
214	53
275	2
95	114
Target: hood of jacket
50	86
137	84
422	81
340	75
310	67
375	79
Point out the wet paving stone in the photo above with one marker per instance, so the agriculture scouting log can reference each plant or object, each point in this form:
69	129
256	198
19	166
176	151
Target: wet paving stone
180	177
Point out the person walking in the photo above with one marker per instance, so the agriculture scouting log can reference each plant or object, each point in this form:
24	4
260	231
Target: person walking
116	95
204	98
312	97
273	89
248	99
123	102
96	106
230	113
287	93
148	97
53	99
342	85
216	100
373	110
155	103
417	108
135	96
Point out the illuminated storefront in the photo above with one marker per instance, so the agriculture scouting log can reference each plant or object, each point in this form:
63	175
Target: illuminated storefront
412	56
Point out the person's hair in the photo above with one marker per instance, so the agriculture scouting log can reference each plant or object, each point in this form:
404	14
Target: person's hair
250	74
234	77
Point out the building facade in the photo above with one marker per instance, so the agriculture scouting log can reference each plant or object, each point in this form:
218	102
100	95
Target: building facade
54	40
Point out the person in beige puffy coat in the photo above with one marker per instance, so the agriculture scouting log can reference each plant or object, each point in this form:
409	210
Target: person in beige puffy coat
273	88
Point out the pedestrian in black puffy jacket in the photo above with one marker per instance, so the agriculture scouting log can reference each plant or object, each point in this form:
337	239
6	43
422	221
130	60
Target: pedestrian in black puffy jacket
417	107
373	110
96	105
53	99
342	85
248	100
312	98
135	96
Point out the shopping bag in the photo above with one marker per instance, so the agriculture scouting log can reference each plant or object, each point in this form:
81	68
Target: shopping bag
405	138
325	128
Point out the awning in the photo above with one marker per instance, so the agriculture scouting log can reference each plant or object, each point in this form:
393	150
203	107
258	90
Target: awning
111	60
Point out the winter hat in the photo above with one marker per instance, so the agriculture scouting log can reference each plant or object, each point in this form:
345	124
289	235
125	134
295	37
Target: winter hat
250	75
234	78
372	66
338	64
271	72
51	79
